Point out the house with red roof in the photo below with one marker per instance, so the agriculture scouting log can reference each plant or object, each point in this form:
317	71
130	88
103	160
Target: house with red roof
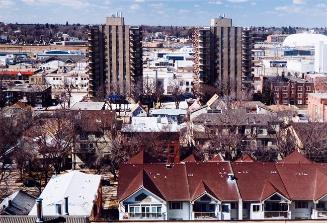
294	188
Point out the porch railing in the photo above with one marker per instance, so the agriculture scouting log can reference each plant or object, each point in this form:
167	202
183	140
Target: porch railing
276	214
322	214
204	215
145	215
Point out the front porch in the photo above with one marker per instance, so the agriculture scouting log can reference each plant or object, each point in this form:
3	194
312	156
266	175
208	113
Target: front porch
320	210
205	208
276	207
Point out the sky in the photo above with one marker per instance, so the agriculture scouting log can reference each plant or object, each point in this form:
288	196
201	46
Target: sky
305	13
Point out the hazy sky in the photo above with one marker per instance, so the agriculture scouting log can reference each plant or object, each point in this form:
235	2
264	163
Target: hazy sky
308	13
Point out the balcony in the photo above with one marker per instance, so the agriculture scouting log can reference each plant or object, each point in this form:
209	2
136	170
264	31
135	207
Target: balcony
277	214
322	214
204	215
143	215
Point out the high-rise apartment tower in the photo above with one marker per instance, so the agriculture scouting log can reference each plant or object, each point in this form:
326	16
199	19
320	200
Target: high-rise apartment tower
223	59
115	58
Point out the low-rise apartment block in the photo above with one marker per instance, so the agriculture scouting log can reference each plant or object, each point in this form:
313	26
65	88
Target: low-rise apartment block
219	190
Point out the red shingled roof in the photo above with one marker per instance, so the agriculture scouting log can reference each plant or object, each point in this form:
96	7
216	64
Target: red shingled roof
190	158
202	189
296	157
321	182
215	176
296	179
217	158
16	72
256	180
171	181
142	179
245	158
179	181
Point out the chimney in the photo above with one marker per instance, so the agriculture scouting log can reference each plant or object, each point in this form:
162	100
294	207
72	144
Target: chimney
39	215
206	156
66	206
58	209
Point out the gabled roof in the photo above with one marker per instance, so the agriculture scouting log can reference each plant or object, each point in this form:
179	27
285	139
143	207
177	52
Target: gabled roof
196	105
257	180
18	203
215	176
298	179
80	188
167	182
202	189
142	179
94	120
268	190
217	158
216	103
245	158
296	157
321	182
190	158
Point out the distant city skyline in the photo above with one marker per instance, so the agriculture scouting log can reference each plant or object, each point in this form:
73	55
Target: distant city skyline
304	13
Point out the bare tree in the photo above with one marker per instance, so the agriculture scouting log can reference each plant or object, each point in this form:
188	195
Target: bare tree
10	132
158	93
176	92
312	138
51	139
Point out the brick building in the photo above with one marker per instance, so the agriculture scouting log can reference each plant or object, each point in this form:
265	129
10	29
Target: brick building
317	107
288	90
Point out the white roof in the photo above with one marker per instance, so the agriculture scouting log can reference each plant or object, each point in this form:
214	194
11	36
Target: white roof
88	106
53	63
169	112
304	40
80	188
150	124
184	63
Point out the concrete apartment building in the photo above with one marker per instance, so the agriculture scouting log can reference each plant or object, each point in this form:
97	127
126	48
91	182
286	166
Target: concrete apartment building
222	57
115	58
317	107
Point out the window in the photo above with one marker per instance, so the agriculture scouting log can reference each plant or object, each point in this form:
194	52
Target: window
187	83
261	131
141	197
83	136
299	95
83	146
299	88
301	204
225	208
321	205
181	83
145	211
308	88
256	208
233	206
299	102
175	205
